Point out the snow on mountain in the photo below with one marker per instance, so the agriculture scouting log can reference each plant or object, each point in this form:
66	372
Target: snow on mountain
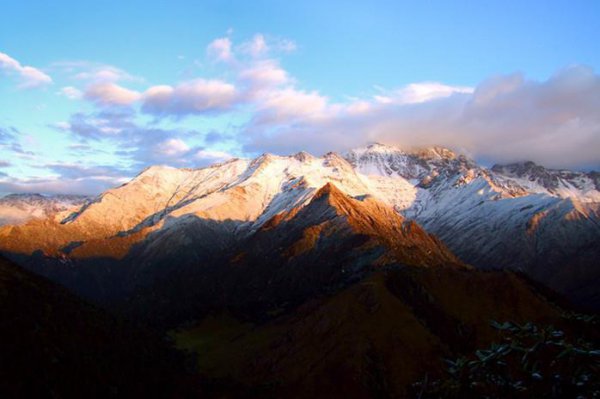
248	191
561	183
244	192
519	216
19	208
522	216
386	161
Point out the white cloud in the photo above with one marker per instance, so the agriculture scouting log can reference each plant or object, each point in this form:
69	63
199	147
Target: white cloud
260	46
259	83
288	104
100	73
220	49
415	93
257	46
110	123
62	125
89	185
172	147
72	93
358	107
264	74
192	97
421	92
212	156
30	77
554	122
111	94
285	45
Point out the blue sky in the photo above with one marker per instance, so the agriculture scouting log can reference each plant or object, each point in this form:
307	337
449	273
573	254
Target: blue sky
91	92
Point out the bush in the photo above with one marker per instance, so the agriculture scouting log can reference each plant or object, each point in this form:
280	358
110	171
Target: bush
530	362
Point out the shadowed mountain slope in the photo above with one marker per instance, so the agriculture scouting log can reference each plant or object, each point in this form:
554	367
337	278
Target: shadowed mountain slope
369	340
310	250
52	344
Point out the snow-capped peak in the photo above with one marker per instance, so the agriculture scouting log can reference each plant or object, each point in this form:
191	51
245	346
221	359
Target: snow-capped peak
19	208
507	216
556	182
413	164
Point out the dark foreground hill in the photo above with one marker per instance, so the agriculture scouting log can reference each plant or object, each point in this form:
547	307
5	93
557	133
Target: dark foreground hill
54	345
370	340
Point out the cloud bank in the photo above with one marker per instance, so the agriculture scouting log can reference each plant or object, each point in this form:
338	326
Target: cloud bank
504	118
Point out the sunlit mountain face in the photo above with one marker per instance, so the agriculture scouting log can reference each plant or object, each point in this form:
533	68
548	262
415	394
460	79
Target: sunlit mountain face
299	200
356	252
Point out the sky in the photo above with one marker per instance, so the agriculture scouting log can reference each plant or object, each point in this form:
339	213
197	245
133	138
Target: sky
91	93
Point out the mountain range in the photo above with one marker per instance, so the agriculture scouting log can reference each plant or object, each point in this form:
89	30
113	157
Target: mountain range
294	276
522	217
19	208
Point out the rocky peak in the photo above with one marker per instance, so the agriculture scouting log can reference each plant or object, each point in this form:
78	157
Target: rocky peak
595	176
26	196
410	164
521	169
328	189
39	199
436	152
303	156
552	180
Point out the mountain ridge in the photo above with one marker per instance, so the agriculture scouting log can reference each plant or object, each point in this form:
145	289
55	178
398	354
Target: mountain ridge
489	218
19	208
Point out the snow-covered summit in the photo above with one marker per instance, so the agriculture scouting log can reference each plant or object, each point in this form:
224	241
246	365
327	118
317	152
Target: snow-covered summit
418	163
561	183
520	216
19	208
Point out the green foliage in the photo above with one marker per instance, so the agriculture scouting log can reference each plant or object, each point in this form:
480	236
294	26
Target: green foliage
530	362
591	320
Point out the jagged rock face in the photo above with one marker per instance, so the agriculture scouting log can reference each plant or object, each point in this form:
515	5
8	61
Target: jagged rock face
378	159
595	176
523	217
19	208
519	216
556	182
310	250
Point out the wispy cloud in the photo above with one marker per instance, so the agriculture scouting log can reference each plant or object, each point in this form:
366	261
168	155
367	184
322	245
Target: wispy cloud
93	72
205	156
59	185
111	94
257	46
30	77
72	93
193	97
10	142
220	50
139	145
261	45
